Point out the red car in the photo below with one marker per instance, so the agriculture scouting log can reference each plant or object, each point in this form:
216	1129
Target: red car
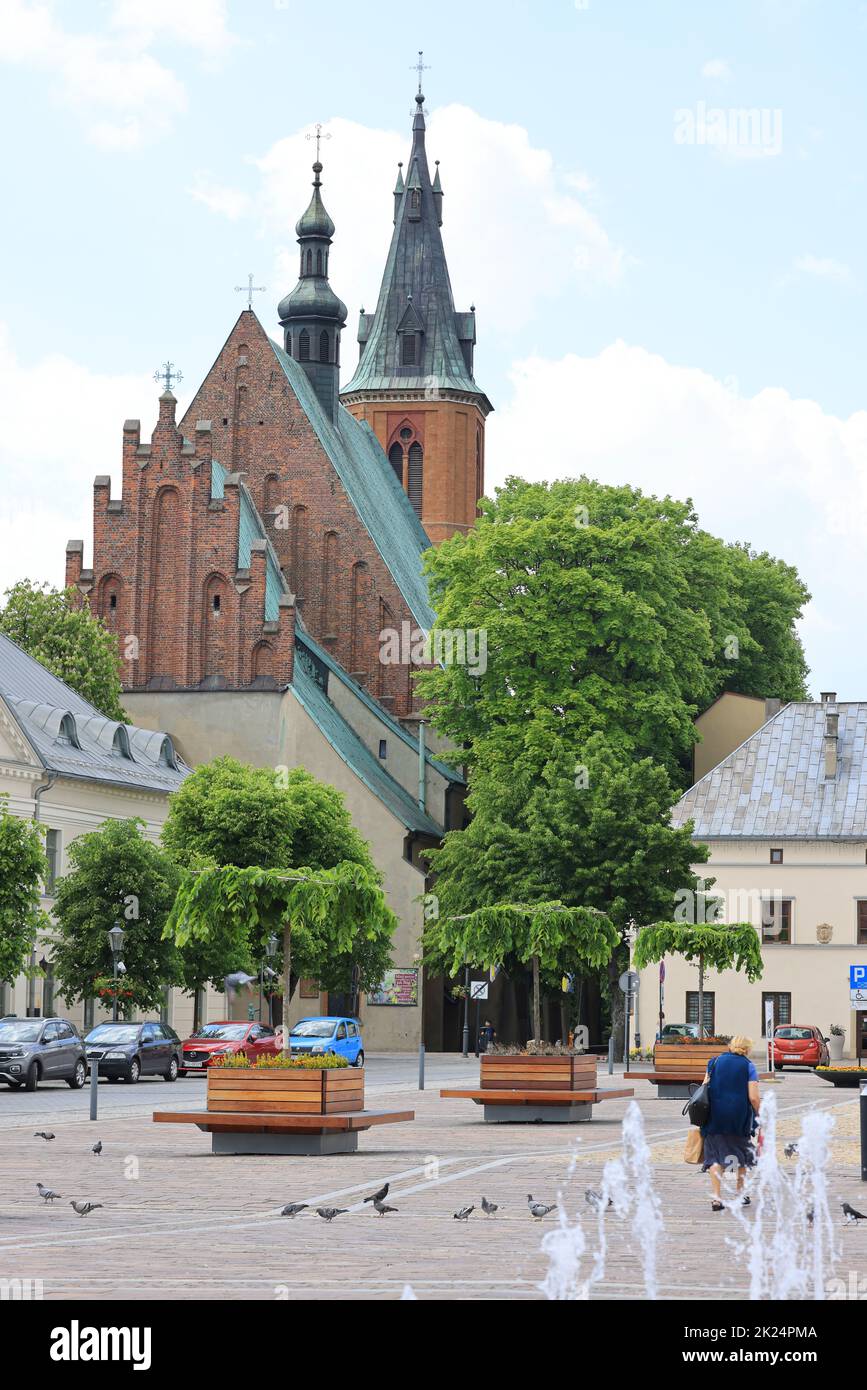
216	1039
797	1045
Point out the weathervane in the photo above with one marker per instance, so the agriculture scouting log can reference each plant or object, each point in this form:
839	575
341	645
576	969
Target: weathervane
317	137
249	289
168	375
420	67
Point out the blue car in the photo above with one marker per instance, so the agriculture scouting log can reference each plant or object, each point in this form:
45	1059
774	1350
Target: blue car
329	1033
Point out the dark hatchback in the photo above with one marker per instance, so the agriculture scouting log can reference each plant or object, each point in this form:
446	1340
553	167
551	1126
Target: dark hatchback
126	1051
40	1049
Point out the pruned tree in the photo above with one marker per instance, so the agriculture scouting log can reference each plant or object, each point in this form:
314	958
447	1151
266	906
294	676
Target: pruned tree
713	945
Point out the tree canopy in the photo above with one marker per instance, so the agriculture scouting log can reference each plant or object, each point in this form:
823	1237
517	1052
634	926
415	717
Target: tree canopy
55	627
22	872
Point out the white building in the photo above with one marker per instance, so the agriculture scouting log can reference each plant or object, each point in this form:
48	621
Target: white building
785	819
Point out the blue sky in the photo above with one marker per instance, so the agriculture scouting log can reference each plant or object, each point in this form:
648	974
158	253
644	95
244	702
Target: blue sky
685	316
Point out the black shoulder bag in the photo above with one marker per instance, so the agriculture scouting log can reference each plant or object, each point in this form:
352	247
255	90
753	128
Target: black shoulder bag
698	1105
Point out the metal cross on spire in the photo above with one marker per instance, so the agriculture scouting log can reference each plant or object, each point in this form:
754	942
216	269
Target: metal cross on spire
317	137
420	67
249	289
168	376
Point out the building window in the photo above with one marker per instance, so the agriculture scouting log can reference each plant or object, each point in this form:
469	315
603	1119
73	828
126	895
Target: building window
112	601
216	603
304	346
709	1010
383	751
309	262
414	480
861	907
776	856
52	854
318	262
777	921
395	458
407	350
782	1010
323	346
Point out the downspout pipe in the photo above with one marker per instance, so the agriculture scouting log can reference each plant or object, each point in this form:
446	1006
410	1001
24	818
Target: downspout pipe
422	769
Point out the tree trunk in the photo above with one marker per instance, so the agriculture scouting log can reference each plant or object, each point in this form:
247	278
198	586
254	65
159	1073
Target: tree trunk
701	995
537	1002
287	984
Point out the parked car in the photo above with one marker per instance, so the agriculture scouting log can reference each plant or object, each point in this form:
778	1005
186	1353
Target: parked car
216	1039
329	1033
126	1051
41	1049
799	1045
680	1030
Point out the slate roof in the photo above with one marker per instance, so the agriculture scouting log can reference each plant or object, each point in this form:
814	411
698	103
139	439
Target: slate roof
774	787
416	283
72	738
355	753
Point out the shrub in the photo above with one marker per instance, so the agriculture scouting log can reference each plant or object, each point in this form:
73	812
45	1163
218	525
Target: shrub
239	1061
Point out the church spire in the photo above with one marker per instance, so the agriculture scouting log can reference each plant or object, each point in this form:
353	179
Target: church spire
312	316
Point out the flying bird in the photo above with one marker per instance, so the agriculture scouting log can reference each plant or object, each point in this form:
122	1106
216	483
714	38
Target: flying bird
84	1208
293	1208
379	1196
329	1213
851	1214
790	1150
97	1148
594	1199
489	1207
538	1210
463	1214
381	1208
47	1193
44	1134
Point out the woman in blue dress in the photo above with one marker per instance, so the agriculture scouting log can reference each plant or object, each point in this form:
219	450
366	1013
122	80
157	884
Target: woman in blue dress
734	1105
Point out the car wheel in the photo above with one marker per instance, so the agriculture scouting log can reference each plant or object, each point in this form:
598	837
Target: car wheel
359	1061
778	1066
134	1072
172	1073
78	1077
32	1078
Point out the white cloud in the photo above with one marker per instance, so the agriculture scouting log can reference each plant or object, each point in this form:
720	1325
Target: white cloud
716	67
123	95
769	469
231	203
48	469
823	268
510	217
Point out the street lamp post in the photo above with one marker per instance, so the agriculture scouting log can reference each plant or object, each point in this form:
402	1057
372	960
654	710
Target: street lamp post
270	952
115	941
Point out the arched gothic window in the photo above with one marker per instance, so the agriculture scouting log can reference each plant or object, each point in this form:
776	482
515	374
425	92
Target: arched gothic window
323	346
304	346
309	262
319	262
414	481
395	458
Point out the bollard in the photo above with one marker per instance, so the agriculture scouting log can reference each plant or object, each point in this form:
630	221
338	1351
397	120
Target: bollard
864	1131
94	1085
421	1066
611	1056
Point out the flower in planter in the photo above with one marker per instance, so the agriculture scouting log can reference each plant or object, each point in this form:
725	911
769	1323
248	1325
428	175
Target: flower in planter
238	1061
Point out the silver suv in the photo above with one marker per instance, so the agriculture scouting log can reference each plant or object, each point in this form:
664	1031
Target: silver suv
41	1049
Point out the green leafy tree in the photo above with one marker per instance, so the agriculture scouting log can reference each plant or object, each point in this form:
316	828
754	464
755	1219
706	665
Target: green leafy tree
543	935
22	872
328	918
712	945
56	628
116	875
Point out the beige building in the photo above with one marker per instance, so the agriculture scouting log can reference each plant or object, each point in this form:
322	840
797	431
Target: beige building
785	818
725	725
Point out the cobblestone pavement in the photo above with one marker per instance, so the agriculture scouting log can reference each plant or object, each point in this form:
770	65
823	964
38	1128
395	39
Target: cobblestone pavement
180	1223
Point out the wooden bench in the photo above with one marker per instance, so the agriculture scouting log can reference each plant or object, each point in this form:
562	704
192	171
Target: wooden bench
255	1132
528	1107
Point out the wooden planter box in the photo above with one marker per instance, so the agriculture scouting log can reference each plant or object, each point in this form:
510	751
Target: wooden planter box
288	1091
521	1073
683	1057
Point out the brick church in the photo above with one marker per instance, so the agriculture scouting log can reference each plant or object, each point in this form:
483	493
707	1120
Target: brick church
261	544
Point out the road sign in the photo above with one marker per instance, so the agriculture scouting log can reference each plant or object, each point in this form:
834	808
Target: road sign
858	998
662	972
629	981
858	977
479	989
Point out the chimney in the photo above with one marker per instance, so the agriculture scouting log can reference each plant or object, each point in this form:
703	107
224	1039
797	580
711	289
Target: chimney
830	737
828	697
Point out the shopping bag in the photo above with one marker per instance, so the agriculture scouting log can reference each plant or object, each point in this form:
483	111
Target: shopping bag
693	1150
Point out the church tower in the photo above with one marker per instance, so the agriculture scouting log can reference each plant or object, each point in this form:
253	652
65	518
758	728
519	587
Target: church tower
312	316
414	381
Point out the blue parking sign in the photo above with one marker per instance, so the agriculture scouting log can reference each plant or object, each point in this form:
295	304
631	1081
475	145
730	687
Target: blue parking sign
858	976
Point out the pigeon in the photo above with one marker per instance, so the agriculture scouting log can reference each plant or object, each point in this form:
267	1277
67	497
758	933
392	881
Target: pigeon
489	1207
47	1193
851	1214
381	1208
790	1150
84	1208
811	1216
594	1199
463	1214
97	1148
379	1196
538	1209
293	1208
44	1134
329	1213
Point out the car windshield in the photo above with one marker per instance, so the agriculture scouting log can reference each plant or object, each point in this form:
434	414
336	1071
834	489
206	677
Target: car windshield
20	1032
109	1033
795	1034
314	1028
227	1032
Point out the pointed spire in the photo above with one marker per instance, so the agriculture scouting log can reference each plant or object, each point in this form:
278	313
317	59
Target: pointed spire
398	188
438	195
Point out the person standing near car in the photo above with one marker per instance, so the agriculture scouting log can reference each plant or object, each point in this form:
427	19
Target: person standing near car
733	1092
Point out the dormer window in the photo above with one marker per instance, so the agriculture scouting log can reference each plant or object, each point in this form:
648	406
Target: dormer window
415	201
68	732
408	350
